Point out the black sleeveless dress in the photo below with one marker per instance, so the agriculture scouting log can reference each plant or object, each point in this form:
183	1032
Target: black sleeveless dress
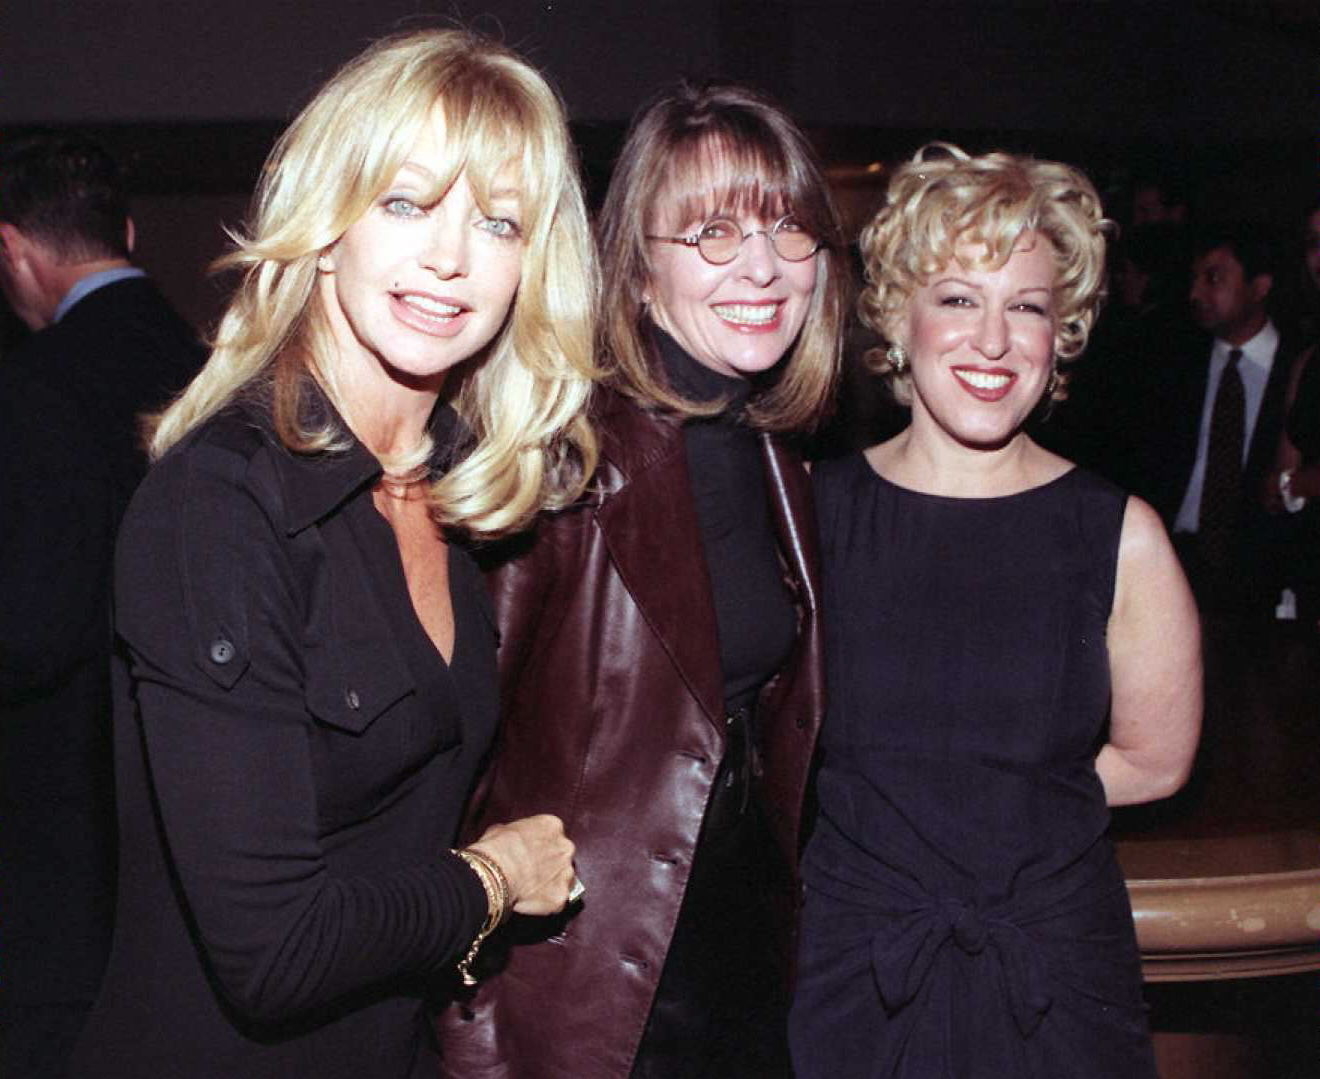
964	913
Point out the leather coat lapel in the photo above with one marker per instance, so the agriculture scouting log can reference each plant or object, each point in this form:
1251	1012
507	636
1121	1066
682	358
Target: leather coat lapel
649	522
792	511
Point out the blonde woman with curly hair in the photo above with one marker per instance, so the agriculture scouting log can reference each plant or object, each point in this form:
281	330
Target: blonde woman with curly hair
1011	648
309	674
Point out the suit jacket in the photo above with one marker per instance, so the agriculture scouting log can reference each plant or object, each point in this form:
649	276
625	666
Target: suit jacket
1171	457
118	352
56	811
613	718
70	462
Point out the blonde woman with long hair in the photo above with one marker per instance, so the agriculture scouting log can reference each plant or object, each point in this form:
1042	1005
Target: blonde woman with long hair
308	682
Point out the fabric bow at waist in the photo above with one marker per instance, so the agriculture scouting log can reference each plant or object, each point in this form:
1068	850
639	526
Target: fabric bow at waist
901	962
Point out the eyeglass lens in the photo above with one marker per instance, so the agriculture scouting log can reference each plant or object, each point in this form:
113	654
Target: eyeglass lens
720	240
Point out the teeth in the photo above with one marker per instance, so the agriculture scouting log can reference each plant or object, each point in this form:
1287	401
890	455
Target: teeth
431	307
747	314
983	380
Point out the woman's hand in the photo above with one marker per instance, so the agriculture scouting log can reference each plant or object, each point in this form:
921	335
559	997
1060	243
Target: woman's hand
537	859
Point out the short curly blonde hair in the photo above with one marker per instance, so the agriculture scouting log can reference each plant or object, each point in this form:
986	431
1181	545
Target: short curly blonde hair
944	197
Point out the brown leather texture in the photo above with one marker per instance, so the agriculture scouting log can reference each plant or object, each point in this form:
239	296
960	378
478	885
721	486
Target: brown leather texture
613	719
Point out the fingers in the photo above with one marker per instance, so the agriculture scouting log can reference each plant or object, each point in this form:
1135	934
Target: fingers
537	858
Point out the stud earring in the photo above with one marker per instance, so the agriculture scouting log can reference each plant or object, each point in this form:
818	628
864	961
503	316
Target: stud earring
898	358
323	263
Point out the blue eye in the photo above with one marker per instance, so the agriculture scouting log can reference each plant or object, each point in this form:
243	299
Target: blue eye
399	206
503	227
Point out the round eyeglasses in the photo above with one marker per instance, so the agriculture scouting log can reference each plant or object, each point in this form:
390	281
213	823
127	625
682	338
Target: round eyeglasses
720	239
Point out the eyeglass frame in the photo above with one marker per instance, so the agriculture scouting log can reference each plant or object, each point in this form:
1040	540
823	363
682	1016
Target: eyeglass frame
694	239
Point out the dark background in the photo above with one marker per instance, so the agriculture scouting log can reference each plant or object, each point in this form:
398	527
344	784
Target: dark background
192	92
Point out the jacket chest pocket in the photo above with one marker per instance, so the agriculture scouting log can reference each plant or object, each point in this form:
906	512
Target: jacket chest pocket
371	733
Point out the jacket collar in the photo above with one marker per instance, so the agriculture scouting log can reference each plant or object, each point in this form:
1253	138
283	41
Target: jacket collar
649	522
315	485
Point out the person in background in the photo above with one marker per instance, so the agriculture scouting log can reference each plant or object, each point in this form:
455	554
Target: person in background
1011	648
660	648
1210	449
1294	484
103	346
102	332
309	675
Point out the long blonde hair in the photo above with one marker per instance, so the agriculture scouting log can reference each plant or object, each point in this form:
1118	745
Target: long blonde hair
687	137
524	398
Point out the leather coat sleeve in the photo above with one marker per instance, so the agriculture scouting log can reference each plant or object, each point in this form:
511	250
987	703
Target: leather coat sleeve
213	611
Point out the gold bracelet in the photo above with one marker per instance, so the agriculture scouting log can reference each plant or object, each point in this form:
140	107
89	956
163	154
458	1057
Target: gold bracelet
496	886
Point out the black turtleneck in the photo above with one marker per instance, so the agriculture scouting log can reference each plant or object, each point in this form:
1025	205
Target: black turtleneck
753	608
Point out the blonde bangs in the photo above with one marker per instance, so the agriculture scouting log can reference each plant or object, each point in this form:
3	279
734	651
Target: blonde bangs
522	399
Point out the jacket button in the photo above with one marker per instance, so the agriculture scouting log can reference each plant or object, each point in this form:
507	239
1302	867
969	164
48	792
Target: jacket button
352	699
222	651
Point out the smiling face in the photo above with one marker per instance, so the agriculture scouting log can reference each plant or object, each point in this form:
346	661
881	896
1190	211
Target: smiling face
981	342
425	278
740	318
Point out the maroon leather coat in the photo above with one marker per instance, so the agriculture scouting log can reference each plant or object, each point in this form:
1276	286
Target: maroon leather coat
614	720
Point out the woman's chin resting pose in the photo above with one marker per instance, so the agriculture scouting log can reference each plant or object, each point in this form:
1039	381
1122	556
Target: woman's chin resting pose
1011	648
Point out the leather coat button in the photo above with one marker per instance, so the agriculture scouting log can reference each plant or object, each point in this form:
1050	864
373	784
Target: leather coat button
352	699
222	651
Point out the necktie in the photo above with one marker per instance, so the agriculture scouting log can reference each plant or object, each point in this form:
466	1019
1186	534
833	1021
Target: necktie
1221	495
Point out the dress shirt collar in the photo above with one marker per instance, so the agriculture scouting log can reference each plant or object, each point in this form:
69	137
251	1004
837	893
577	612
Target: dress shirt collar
1258	351
93	281
316	484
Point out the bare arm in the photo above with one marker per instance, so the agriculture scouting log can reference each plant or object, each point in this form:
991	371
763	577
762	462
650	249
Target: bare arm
1154	644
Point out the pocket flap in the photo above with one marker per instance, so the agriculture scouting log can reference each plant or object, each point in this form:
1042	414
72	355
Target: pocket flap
349	686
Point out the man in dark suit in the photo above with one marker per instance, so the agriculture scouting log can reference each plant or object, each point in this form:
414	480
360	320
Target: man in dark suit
103	333
1220	413
105	346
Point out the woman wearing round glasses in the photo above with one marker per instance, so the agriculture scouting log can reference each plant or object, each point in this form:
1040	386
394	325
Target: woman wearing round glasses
660	645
